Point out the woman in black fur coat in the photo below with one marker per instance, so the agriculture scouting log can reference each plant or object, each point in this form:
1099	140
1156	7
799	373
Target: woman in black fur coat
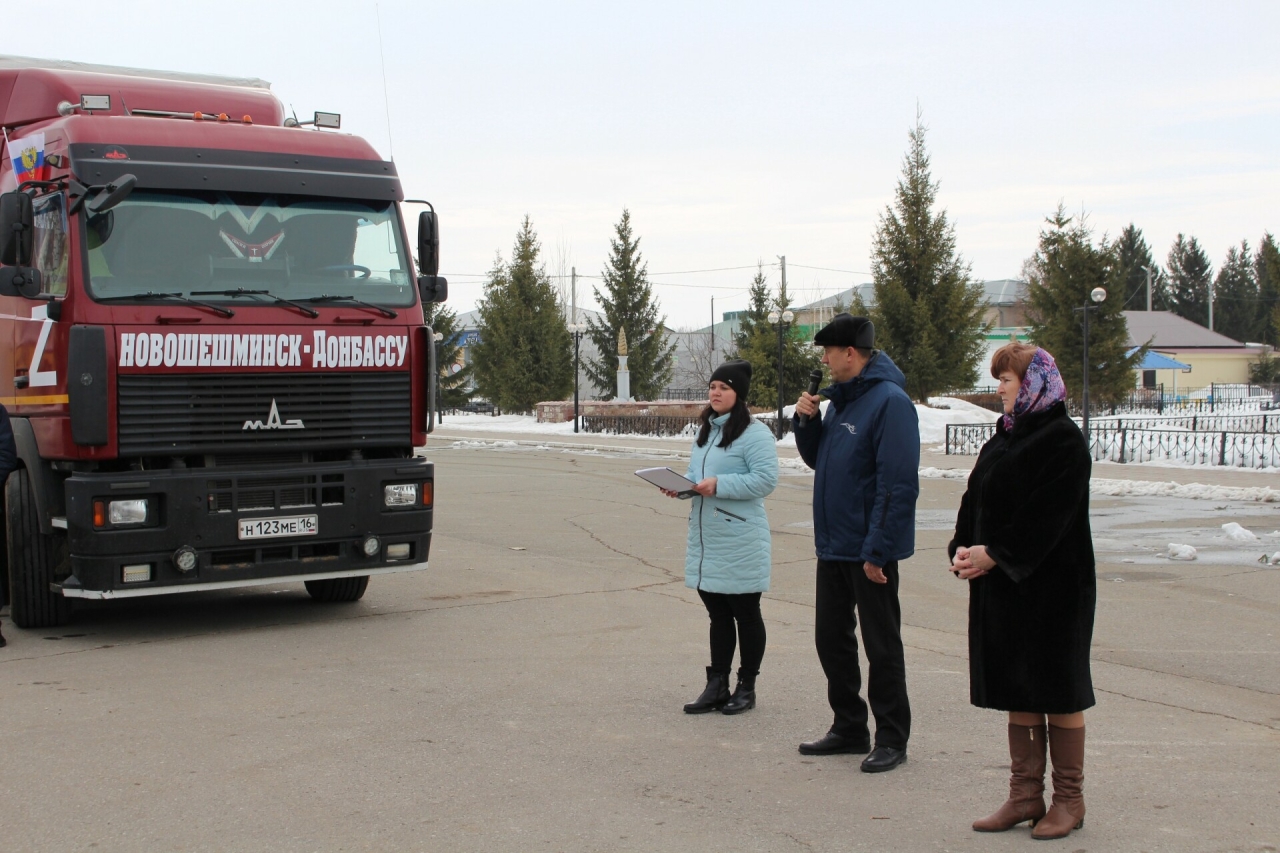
1023	543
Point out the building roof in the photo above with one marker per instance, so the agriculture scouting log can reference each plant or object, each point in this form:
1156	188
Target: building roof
1166	330
1003	291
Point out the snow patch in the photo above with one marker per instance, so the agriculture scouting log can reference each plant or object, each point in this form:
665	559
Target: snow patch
1181	552
1236	533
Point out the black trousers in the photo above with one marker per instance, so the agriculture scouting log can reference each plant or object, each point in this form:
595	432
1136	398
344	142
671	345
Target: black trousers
725	610
842	588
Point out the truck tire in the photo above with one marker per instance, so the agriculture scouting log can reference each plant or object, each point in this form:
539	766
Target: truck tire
338	589
32	558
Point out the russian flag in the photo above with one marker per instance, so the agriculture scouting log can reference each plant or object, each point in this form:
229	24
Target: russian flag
28	158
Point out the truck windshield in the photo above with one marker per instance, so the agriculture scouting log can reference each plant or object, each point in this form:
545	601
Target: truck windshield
295	247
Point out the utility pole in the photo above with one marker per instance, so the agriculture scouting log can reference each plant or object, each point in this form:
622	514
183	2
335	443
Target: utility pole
782	290
1147	270
713	334
1211	304
573	296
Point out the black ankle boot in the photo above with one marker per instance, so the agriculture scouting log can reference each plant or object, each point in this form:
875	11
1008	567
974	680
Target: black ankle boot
714	696
744	697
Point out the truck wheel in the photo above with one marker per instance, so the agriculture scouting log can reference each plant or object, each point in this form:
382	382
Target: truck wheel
338	589
32	558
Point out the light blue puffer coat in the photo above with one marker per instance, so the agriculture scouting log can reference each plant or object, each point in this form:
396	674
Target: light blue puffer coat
729	543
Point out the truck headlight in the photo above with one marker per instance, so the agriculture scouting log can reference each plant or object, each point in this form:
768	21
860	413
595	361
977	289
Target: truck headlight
401	494
132	511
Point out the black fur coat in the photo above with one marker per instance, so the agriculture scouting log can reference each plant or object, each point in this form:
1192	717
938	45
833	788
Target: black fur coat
1031	618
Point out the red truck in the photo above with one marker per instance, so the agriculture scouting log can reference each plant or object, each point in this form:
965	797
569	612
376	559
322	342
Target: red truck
212	345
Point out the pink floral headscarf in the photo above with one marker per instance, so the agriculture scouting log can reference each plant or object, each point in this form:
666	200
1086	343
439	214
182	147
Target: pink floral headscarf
1042	386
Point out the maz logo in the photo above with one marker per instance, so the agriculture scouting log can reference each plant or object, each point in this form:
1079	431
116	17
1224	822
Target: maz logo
274	422
853	430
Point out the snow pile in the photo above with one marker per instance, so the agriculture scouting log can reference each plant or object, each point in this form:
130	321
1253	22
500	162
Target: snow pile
1181	552
1236	533
948	410
793	463
1194	491
944	474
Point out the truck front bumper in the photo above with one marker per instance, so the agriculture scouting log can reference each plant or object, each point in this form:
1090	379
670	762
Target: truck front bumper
199	510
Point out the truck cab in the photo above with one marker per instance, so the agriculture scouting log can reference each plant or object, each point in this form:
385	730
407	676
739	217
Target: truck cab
212	347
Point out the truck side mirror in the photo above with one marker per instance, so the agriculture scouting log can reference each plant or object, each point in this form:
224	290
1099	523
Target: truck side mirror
17	229
20	281
428	243
433	288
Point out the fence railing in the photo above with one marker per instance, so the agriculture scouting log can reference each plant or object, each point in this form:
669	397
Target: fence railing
692	394
660	425
1211	398
1114	441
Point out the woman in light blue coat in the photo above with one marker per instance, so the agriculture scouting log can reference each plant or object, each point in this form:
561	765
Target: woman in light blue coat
735	465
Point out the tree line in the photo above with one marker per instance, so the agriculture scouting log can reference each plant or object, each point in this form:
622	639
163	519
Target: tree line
928	309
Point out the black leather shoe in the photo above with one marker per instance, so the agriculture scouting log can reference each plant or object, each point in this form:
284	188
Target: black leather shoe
834	744
743	698
3	642
883	758
713	696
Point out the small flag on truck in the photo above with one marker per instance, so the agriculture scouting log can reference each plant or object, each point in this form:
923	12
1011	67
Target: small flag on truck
28	158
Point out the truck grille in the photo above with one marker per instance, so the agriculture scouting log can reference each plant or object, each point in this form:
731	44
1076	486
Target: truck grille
178	414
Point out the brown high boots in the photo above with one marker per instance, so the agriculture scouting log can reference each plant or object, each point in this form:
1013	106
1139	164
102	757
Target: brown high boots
1026	781
1066	748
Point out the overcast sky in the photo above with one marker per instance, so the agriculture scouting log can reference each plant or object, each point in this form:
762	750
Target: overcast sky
737	132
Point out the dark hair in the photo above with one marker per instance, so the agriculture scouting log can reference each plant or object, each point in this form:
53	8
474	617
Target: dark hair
739	420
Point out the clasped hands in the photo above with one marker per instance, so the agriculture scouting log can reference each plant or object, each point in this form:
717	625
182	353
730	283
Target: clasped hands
971	562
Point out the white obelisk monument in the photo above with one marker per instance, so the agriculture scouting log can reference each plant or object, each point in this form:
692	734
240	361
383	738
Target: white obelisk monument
624	375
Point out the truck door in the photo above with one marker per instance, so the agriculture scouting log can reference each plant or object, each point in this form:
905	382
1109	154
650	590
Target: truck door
40	379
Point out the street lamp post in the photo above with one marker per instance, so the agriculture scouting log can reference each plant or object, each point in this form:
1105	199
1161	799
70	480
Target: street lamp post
577	330
1098	295
781	321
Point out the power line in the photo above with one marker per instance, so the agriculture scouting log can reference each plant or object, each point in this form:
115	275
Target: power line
829	269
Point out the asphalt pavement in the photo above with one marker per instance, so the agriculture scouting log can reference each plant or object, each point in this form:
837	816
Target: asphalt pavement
525	692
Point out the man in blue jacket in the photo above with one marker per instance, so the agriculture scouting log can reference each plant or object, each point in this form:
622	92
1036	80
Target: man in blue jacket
866	455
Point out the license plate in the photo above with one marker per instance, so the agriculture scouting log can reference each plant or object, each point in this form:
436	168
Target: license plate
272	528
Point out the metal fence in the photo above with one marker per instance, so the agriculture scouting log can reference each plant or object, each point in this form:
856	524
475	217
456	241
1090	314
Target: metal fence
1211	398
661	425
691	394
1117	441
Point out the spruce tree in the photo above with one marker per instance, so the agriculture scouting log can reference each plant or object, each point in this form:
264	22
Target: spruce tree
1133	259
928	311
1066	267
1235	297
1266	271
757	342
1190	275
525	352
452	388
627	303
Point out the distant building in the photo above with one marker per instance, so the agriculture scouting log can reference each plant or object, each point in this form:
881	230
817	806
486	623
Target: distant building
1211	357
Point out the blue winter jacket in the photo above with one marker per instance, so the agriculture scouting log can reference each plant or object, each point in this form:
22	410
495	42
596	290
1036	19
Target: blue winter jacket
866	455
729	543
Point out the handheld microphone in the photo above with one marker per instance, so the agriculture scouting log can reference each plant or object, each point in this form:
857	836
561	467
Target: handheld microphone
815	379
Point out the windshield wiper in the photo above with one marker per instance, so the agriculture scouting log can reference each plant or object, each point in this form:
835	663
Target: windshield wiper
176	297
386	312
279	300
